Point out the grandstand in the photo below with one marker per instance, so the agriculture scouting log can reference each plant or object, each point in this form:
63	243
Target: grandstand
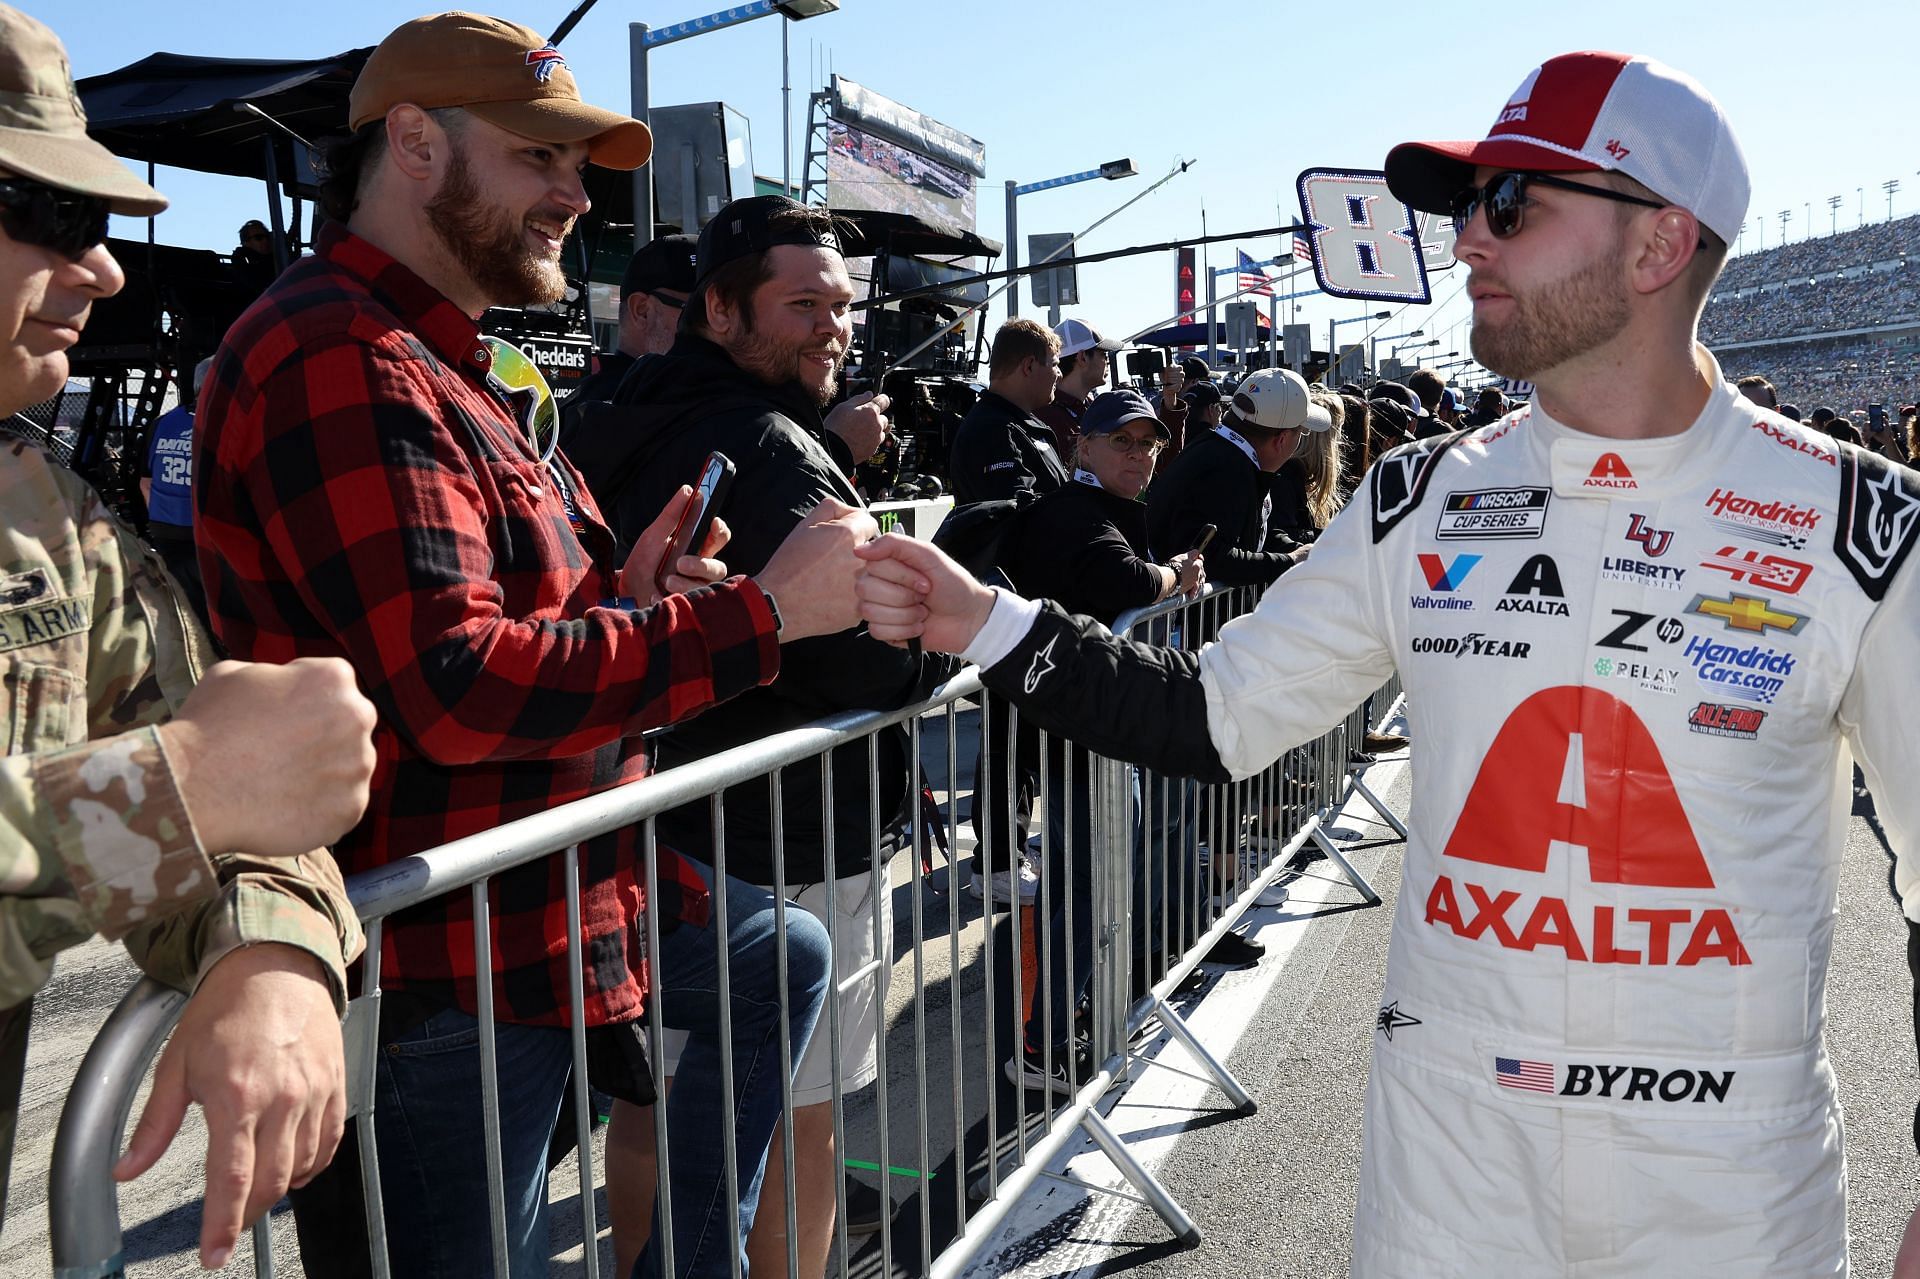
1834	320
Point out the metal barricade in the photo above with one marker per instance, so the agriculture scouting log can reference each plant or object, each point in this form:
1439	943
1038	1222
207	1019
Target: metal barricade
982	1121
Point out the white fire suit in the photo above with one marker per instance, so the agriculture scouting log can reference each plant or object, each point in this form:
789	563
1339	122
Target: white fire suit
1637	672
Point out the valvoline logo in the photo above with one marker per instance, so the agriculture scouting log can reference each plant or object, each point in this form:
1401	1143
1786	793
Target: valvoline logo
1447	575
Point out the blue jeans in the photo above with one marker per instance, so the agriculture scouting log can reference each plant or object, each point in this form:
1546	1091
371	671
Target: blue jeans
688	999
433	1164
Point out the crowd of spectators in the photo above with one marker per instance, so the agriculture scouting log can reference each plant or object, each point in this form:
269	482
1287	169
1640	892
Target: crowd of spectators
1847	373
1803	259
1795	291
1809	306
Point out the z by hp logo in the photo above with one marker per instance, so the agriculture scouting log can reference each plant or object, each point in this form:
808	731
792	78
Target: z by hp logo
1654	541
1447	575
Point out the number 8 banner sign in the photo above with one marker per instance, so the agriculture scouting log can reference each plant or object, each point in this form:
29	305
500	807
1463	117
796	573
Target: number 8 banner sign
1366	243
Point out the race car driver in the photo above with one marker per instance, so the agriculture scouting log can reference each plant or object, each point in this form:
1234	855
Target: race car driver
1643	625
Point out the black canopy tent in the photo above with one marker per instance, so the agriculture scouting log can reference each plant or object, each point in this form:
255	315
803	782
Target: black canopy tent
182	111
260	119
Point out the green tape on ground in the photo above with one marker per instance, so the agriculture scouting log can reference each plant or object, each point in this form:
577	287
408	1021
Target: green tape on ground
864	1166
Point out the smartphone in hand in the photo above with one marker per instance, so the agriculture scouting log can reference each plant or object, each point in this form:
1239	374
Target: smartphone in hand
1205	536
690	533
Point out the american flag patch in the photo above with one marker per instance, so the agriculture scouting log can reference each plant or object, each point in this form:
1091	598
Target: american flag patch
1533	1076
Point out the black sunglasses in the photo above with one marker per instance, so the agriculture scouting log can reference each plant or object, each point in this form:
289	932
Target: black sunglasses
661	295
49	218
1504	197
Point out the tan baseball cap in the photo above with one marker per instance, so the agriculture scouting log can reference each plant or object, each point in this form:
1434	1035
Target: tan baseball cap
504	73
43	130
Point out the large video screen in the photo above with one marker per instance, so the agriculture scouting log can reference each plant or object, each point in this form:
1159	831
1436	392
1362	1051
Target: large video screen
867	172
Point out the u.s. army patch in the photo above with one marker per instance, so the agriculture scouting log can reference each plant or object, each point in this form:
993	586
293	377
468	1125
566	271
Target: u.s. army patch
44	621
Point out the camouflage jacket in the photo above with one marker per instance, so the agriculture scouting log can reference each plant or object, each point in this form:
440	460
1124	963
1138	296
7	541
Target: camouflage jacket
97	647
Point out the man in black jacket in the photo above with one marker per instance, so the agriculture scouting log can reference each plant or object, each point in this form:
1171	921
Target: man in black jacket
1223	478
1002	450
652	291
1001	447
761	342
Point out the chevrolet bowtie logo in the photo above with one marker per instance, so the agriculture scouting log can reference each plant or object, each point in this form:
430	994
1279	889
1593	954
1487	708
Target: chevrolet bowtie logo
1747	613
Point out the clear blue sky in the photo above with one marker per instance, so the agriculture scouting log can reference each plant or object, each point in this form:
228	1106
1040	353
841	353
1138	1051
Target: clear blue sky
1254	91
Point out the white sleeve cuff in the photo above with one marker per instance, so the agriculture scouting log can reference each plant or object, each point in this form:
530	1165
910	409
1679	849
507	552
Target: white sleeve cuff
1012	617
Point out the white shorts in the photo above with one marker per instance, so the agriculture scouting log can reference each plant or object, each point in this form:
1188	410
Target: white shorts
853	902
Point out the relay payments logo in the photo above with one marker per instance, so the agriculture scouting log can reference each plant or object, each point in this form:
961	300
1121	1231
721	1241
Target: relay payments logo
1633	832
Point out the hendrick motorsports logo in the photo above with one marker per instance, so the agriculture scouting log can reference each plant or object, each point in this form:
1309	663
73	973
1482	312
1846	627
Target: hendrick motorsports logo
1474	645
1752	672
1773	522
1494	513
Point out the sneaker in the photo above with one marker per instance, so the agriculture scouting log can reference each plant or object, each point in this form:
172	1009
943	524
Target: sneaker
868	1213
1236	951
1383	743
1029	1069
1006	883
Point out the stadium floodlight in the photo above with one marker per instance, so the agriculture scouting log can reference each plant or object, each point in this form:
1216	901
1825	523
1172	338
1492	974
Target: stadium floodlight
1890	186
1111	170
641	38
1833	215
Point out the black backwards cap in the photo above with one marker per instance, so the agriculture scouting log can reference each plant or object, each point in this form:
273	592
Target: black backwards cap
665	262
745	227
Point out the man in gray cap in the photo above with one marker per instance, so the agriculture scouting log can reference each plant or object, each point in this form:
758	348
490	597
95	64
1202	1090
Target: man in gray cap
188	821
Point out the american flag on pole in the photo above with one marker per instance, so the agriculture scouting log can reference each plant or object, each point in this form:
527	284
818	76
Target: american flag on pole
1303	248
1533	1076
1253	277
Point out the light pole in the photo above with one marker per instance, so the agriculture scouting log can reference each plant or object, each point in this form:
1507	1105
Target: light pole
1833	215
1786	216
1394	354
1333	351
641	38
1111	170
1890	186
1860	214
1374	358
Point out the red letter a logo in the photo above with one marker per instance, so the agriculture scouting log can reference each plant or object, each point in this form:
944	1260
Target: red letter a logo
1632	825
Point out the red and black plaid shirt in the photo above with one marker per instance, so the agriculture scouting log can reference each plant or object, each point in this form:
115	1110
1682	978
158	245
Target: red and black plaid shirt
363	493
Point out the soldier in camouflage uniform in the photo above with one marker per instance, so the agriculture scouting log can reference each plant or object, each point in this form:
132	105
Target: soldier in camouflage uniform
118	774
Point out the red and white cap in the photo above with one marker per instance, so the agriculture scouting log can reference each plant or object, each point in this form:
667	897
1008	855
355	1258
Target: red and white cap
1587	112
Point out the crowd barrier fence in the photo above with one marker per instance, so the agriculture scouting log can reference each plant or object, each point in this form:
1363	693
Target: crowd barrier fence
1161	870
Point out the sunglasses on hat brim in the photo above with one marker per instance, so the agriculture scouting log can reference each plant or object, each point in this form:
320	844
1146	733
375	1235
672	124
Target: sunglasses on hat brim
46	217
514	374
1503	198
